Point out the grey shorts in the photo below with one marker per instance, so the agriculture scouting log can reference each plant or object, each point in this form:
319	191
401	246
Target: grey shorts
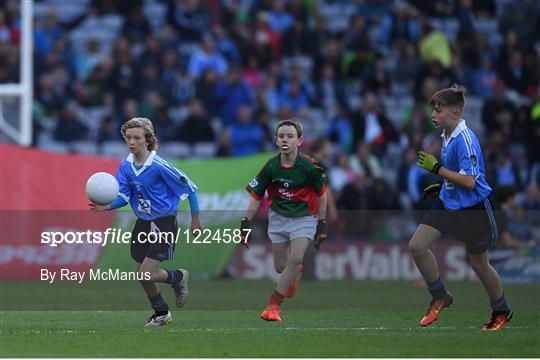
282	229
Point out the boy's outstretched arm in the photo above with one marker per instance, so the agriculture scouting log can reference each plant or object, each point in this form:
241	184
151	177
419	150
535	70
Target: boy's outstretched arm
195	212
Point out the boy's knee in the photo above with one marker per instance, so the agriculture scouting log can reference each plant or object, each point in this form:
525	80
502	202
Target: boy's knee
279	268
478	264
416	248
295	260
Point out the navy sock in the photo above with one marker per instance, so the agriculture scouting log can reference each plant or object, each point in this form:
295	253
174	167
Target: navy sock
436	289
500	305
159	305
174	276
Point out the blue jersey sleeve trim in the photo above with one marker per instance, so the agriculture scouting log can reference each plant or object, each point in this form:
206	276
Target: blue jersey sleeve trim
124	196
118	202
194	203
466	165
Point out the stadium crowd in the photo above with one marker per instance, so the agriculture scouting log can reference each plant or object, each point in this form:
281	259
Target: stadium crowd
358	74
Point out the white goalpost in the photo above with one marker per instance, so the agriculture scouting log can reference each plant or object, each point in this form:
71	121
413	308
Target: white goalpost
23	90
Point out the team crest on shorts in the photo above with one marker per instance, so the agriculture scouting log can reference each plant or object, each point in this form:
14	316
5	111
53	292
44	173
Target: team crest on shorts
473	160
253	183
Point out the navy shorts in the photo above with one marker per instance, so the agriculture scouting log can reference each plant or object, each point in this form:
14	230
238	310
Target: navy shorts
154	246
474	226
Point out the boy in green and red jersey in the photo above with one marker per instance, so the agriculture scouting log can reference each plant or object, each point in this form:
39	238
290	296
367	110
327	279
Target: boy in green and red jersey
296	186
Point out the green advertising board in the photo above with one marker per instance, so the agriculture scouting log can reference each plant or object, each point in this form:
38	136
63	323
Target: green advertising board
222	200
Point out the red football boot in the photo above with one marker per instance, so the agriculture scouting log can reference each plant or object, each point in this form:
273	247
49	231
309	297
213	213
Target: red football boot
271	313
498	320
435	308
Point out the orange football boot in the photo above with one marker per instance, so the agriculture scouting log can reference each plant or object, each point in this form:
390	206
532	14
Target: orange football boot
271	313
435	308
498	320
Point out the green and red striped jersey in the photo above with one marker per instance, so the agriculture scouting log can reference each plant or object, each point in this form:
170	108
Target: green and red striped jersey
292	191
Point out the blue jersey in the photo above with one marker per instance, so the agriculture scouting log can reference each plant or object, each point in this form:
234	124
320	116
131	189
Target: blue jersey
462	153
155	189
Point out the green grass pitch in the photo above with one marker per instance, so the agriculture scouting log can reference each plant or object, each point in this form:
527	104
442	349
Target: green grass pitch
221	319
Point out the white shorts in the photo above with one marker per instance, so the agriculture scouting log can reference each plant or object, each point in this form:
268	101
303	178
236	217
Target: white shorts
282	229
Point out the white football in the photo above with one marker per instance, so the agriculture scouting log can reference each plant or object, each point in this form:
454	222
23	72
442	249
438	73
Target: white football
102	188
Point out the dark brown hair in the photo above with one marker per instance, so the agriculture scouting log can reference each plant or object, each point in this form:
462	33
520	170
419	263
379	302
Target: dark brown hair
290	122
453	96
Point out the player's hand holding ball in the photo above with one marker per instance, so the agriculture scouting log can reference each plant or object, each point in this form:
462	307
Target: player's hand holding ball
428	162
320	234
245	225
96	208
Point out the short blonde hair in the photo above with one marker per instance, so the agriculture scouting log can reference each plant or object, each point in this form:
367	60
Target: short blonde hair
146	125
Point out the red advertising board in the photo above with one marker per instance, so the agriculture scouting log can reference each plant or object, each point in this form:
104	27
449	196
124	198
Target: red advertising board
44	192
31	179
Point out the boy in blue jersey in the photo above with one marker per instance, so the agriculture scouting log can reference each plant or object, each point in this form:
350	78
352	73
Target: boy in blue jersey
462	209
153	187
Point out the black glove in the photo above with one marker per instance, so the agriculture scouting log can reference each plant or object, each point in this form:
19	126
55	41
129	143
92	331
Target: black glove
432	191
320	234
245	224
